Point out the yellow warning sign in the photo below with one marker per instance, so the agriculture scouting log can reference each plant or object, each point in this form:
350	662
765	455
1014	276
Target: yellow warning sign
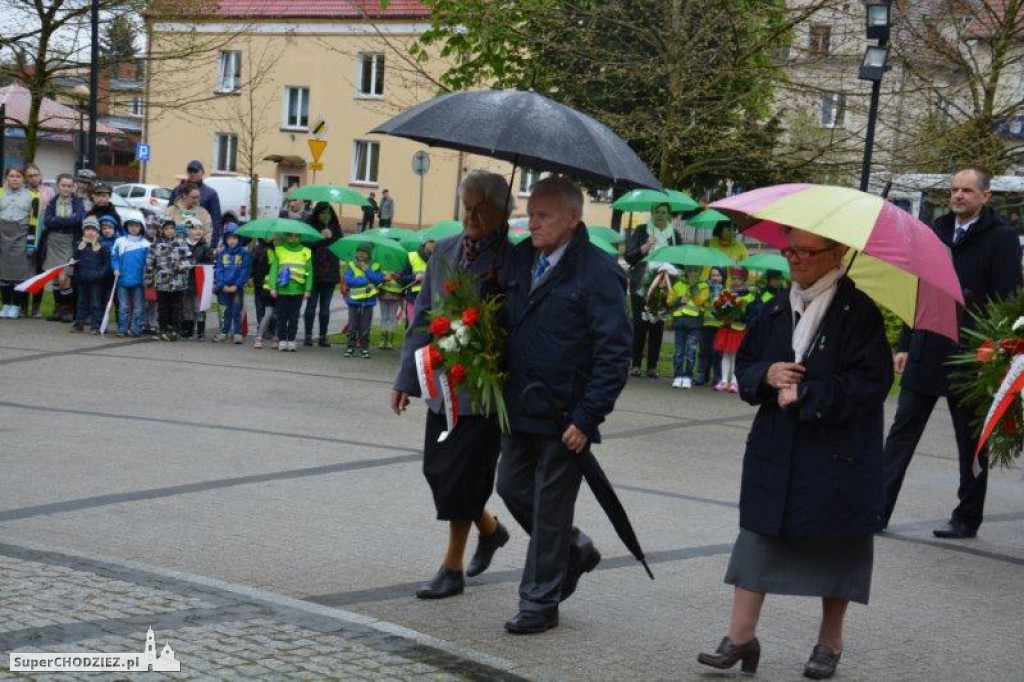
316	148
316	166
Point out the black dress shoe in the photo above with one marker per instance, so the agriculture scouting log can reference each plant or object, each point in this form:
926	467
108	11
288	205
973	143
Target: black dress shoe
485	549
728	653
531	623
445	583
585	565
822	663
955	530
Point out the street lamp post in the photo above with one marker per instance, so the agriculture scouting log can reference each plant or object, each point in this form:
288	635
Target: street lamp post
872	68
81	93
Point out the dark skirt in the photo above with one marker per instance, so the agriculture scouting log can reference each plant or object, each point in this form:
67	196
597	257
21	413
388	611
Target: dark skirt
837	568
460	470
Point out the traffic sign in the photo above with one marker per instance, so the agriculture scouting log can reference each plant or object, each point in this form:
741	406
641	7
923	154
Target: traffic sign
420	163
316	166
319	126
316	148
142	151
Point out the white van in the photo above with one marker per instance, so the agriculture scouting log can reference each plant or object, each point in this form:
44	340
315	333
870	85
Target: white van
233	191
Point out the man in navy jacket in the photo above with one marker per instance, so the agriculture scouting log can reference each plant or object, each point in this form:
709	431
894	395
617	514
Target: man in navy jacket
986	256
569	330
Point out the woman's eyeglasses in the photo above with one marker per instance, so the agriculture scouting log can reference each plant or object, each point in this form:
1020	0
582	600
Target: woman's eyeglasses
803	254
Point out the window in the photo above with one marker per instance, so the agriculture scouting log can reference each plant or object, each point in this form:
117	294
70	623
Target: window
296	108
230	71
527	178
833	109
821	39
371	75
137	106
137	192
366	156
290	181
123	190
225	153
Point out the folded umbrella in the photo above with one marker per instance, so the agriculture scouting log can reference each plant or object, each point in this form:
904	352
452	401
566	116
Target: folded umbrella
599	484
526	129
897	260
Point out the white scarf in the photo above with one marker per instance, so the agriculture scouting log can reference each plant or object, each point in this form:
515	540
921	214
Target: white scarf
811	304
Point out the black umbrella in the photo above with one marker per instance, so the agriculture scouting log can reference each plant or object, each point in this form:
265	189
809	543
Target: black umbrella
526	129
600	486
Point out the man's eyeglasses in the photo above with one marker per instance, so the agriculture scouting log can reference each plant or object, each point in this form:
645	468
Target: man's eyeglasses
803	254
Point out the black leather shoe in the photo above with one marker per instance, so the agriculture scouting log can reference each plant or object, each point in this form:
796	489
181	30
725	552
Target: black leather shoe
822	663
728	653
445	583
585	565
485	549
955	530
531	623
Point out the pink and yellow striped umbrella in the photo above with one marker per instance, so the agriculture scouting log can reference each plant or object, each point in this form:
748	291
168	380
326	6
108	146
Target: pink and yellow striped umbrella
896	259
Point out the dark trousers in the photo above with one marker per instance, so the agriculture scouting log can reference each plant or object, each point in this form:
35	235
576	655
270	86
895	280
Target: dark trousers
12	297
90	304
912	413
286	310
684	360
360	317
647	335
168	306
538	479
709	361
319	298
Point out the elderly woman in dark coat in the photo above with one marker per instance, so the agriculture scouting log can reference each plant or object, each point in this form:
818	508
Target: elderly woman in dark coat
818	364
460	470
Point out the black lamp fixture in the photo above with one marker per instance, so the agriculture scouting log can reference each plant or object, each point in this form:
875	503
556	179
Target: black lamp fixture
878	21
872	68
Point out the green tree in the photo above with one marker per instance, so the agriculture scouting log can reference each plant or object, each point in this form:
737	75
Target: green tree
118	40
689	84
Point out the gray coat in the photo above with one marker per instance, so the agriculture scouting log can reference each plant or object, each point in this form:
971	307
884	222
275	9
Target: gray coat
494	269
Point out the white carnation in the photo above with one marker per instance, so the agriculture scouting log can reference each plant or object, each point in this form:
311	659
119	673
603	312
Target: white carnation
1018	324
462	334
448	344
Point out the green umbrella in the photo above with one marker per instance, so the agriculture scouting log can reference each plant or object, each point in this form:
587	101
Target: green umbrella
516	237
646	199
268	228
599	242
707	219
394	233
387	252
767	261
690	254
605	233
334	194
436	232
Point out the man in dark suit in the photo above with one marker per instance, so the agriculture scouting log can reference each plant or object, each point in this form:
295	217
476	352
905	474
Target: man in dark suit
986	256
570	332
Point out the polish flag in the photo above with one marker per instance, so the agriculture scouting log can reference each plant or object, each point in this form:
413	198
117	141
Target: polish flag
204	286
35	285
110	304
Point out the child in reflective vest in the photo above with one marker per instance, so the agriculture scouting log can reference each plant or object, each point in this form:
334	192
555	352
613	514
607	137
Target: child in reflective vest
289	282
362	278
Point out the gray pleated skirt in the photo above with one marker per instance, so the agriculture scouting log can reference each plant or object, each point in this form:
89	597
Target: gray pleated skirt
836	568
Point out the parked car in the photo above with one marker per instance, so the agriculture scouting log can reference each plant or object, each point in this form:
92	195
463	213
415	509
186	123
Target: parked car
126	210
233	192
152	197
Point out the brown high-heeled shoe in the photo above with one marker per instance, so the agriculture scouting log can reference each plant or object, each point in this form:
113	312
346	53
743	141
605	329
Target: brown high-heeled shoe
728	653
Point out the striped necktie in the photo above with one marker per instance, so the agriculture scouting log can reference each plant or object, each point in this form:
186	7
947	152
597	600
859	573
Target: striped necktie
540	268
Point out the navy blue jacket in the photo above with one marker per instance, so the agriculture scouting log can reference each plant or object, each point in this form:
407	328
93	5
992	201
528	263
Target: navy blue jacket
92	266
987	263
71	224
572	333
814	470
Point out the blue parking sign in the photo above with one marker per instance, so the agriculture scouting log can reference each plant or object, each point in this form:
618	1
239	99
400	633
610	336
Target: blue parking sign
142	151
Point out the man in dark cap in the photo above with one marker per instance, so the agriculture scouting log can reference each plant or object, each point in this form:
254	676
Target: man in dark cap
208	198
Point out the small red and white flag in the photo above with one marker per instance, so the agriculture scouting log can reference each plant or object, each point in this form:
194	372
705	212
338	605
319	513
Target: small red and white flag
204	286
110	304
35	285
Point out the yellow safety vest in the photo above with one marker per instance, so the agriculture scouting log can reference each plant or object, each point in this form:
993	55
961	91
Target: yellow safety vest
295	261
695	296
392	286
419	266
362	293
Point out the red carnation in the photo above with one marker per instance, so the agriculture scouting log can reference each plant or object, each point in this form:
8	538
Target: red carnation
448	287
457	373
1012	346
435	356
985	351
440	326
470	316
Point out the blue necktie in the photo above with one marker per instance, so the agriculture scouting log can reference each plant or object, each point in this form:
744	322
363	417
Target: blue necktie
958	235
540	268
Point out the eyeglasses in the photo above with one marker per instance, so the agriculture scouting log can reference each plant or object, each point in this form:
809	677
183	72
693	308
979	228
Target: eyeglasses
193	196
803	254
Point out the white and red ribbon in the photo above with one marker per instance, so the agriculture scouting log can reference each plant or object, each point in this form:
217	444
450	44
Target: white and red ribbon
204	286
426	373
435	383
110	303
451	406
1013	384
35	285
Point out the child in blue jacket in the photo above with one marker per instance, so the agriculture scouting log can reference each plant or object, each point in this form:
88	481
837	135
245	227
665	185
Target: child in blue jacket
92	266
128	258
362	279
230	273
